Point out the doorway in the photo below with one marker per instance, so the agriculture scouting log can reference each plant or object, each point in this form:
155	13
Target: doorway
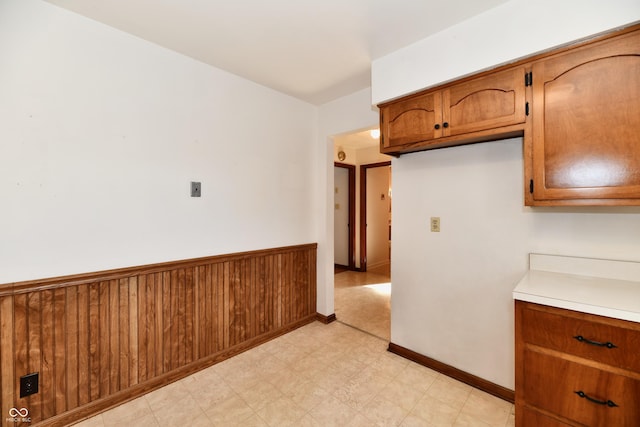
362	293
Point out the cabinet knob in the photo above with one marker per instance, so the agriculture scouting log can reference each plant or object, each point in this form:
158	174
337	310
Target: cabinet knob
437	126
445	125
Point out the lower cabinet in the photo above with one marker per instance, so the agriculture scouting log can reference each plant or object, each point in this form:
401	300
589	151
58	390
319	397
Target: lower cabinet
577	375
530	417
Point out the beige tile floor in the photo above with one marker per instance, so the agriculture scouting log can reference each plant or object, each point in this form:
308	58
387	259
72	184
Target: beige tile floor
317	375
362	300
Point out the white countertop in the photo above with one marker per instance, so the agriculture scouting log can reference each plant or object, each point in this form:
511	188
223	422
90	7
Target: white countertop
603	287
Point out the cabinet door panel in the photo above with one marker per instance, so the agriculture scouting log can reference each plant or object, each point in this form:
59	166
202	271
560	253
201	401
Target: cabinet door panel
552	383
586	123
485	103
411	121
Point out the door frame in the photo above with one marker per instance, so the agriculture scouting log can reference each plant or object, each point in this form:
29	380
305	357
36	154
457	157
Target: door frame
352	212
363	210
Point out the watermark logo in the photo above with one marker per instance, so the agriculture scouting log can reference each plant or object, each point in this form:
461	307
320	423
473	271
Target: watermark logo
18	415
15	412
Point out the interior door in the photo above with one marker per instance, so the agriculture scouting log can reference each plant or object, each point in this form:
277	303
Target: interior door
378	214
375	215
341	217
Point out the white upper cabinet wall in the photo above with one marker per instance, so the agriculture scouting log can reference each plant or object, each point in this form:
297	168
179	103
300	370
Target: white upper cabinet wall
510	31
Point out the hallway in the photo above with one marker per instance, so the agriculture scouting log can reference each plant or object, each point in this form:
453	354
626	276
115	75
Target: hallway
363	300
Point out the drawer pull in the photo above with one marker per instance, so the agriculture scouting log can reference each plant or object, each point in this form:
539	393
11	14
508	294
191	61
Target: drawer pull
599	344
584	395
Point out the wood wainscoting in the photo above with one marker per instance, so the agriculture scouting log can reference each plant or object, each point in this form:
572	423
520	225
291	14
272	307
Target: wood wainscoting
100	339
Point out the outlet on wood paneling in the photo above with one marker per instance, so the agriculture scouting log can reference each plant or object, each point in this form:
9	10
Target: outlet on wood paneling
123	332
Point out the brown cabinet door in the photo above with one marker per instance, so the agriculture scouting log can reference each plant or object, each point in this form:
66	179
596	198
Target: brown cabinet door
485	103
411	121
580	393
586	122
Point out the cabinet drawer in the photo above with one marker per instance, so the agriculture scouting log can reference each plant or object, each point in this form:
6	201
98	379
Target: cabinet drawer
557	331
526	417
553	384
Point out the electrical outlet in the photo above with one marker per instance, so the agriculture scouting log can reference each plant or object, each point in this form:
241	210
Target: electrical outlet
29	384
435	224
196	189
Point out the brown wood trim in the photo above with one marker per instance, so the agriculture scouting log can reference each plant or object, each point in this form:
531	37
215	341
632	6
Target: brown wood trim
111	337
363	210
326	319
505	132
119	273
352	211
376	165
524	61
448	370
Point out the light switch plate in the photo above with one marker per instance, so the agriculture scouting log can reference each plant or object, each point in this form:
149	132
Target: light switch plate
196	189
435	224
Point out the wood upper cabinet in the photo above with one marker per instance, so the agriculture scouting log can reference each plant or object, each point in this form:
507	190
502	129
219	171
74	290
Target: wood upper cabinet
485	103
586	124
411	121
578	110
465	112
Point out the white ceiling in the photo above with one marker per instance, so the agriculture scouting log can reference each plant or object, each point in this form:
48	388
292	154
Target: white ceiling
356	140
314	50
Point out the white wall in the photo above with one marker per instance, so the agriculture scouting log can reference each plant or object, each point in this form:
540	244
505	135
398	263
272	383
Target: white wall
348	114
451	297
101	134
507	32
370	155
